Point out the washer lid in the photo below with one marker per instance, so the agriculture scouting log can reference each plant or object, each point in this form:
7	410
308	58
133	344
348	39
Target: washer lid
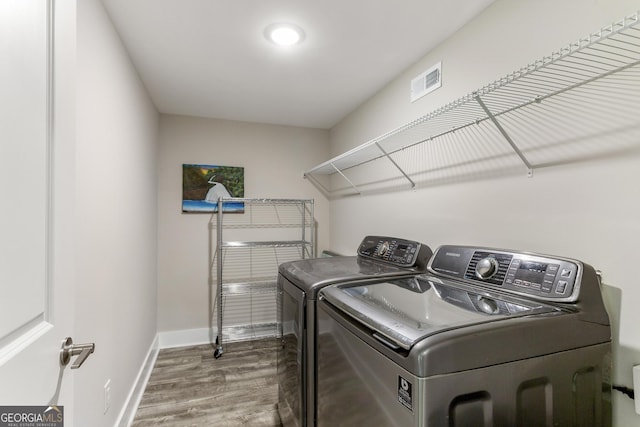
403	311
315	273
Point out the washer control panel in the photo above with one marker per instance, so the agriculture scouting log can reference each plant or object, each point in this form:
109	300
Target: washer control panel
535	275
400	252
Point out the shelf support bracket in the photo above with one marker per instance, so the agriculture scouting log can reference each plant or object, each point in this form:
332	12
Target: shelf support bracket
346	179
413	184
505	135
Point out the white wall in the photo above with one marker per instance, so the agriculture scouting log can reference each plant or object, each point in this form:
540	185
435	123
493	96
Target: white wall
588	210
274	159
116	192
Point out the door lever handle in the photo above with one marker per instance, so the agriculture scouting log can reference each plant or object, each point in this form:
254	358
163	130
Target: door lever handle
70	349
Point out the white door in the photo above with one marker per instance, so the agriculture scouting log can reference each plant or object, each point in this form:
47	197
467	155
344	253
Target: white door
36	242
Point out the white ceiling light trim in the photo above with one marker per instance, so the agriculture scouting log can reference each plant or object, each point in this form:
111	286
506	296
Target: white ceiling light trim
284	34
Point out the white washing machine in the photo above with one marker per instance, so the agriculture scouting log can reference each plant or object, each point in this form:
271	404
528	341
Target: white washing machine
488	337
298	285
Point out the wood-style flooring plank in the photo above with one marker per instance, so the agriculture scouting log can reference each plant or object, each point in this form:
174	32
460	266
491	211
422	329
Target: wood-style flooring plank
189	387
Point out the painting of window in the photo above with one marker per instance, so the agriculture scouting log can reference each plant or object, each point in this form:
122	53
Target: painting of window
203	185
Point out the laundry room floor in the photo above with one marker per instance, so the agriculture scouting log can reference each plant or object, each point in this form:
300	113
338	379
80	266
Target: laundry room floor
188	387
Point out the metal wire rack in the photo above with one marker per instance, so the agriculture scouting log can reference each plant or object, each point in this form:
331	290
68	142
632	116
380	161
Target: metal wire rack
549	112
246	248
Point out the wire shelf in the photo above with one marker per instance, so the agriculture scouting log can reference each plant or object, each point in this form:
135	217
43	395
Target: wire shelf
589	88
267	213
256	263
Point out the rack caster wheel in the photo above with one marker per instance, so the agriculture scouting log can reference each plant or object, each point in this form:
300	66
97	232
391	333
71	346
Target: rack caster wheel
218	353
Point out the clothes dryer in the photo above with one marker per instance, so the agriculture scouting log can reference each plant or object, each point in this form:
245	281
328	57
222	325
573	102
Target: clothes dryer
298	286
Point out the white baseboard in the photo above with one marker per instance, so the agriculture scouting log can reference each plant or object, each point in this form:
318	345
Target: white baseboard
128	412
186	337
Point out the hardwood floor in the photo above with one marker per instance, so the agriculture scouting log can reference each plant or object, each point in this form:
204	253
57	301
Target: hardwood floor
188	387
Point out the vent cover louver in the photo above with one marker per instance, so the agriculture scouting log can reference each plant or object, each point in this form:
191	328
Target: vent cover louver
426	82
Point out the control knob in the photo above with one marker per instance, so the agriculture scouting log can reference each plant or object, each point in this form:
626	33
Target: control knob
383	249
486	267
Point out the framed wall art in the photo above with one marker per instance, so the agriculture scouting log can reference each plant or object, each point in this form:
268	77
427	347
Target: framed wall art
203	185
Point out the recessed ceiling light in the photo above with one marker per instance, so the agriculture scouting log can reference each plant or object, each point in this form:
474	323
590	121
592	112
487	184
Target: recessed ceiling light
284	34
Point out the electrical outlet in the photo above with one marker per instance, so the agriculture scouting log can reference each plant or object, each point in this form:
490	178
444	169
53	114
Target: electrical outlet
107	395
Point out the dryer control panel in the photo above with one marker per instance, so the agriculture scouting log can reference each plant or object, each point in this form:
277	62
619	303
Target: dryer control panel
392	250
541	276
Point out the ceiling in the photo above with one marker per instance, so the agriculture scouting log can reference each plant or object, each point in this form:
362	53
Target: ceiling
209	58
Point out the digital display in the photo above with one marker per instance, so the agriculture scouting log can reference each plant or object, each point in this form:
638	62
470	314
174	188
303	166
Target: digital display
534	266
402	247
531	272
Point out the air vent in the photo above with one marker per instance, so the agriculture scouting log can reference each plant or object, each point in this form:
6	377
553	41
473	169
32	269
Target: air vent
426	82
